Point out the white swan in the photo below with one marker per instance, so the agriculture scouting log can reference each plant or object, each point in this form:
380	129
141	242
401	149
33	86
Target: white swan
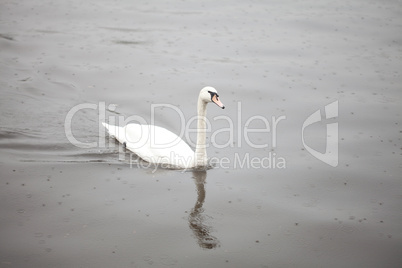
160	146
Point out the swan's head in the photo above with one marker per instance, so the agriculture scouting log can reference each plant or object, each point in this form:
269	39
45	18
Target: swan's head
209	94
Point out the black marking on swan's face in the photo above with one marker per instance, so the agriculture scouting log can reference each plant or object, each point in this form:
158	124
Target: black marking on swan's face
213	94
215	99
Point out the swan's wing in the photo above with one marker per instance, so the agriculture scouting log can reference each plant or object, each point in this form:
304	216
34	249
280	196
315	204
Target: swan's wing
154	144
116	132
134	134
158	145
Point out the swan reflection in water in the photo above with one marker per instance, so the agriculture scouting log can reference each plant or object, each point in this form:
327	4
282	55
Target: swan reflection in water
197	217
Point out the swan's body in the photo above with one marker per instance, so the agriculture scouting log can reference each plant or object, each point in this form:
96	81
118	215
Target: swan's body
151	143
160	146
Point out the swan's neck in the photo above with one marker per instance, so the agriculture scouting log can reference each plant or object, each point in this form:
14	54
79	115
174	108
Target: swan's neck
201	149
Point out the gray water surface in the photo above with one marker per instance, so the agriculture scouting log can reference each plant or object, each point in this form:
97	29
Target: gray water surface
67	206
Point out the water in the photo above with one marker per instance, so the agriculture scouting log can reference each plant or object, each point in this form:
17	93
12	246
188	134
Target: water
66	206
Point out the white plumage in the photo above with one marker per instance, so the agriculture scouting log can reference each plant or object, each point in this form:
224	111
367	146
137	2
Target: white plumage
160	146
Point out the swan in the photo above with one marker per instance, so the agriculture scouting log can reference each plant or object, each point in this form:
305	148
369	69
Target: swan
154	144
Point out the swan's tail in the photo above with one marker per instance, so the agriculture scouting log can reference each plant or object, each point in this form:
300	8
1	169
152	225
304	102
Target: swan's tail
114	131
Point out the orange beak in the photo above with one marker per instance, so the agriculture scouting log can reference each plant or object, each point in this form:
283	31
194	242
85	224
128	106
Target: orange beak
216	100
